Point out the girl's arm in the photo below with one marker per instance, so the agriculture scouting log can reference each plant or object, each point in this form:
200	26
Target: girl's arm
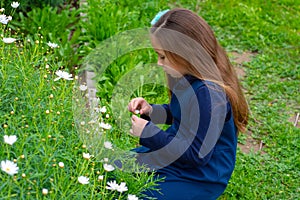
160	114
192	144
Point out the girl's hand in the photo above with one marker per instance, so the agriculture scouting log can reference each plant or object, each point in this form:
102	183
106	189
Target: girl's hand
141	105
138	125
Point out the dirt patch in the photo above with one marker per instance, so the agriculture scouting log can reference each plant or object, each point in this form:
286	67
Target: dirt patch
240	72
295	120
238	59
251	144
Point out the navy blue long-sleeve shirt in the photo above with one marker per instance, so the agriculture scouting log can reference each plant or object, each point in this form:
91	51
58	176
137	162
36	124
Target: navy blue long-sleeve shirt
199	147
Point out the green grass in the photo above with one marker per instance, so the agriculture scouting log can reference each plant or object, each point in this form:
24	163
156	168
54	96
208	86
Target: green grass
27	73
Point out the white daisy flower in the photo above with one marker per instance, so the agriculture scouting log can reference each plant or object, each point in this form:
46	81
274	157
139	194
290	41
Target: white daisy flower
100	177
83	87
15	4
2	9
132	197
86	156
8	40
10	139
61	164
112	185
105	126
44	191
103	109
108	145
108	167
3	19
122	187
83	180
52	45
63	75
9	167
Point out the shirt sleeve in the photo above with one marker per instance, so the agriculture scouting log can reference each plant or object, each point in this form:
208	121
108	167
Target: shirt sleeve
161	114
192	144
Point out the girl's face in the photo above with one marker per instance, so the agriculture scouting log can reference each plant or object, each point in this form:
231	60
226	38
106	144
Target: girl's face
168	66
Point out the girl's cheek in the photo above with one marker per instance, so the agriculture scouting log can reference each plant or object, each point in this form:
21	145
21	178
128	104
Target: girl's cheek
159	62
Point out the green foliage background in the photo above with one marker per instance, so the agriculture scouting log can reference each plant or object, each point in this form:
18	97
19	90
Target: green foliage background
270	29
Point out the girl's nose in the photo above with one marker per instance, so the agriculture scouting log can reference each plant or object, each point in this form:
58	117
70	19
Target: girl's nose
159	62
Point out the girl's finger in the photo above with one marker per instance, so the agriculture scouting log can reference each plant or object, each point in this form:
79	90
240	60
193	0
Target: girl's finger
142	111
131	106
135	105
133	118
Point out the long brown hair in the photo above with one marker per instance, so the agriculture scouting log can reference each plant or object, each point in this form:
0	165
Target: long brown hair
197	50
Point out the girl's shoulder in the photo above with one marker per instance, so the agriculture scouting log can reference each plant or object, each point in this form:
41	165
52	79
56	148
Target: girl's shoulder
188	82
197	83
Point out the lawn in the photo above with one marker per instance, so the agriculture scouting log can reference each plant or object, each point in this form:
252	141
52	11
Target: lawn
64	143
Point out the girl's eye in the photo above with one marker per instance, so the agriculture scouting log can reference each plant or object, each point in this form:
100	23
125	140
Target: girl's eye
161	57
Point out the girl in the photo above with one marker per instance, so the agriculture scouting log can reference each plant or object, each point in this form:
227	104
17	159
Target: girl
196	155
